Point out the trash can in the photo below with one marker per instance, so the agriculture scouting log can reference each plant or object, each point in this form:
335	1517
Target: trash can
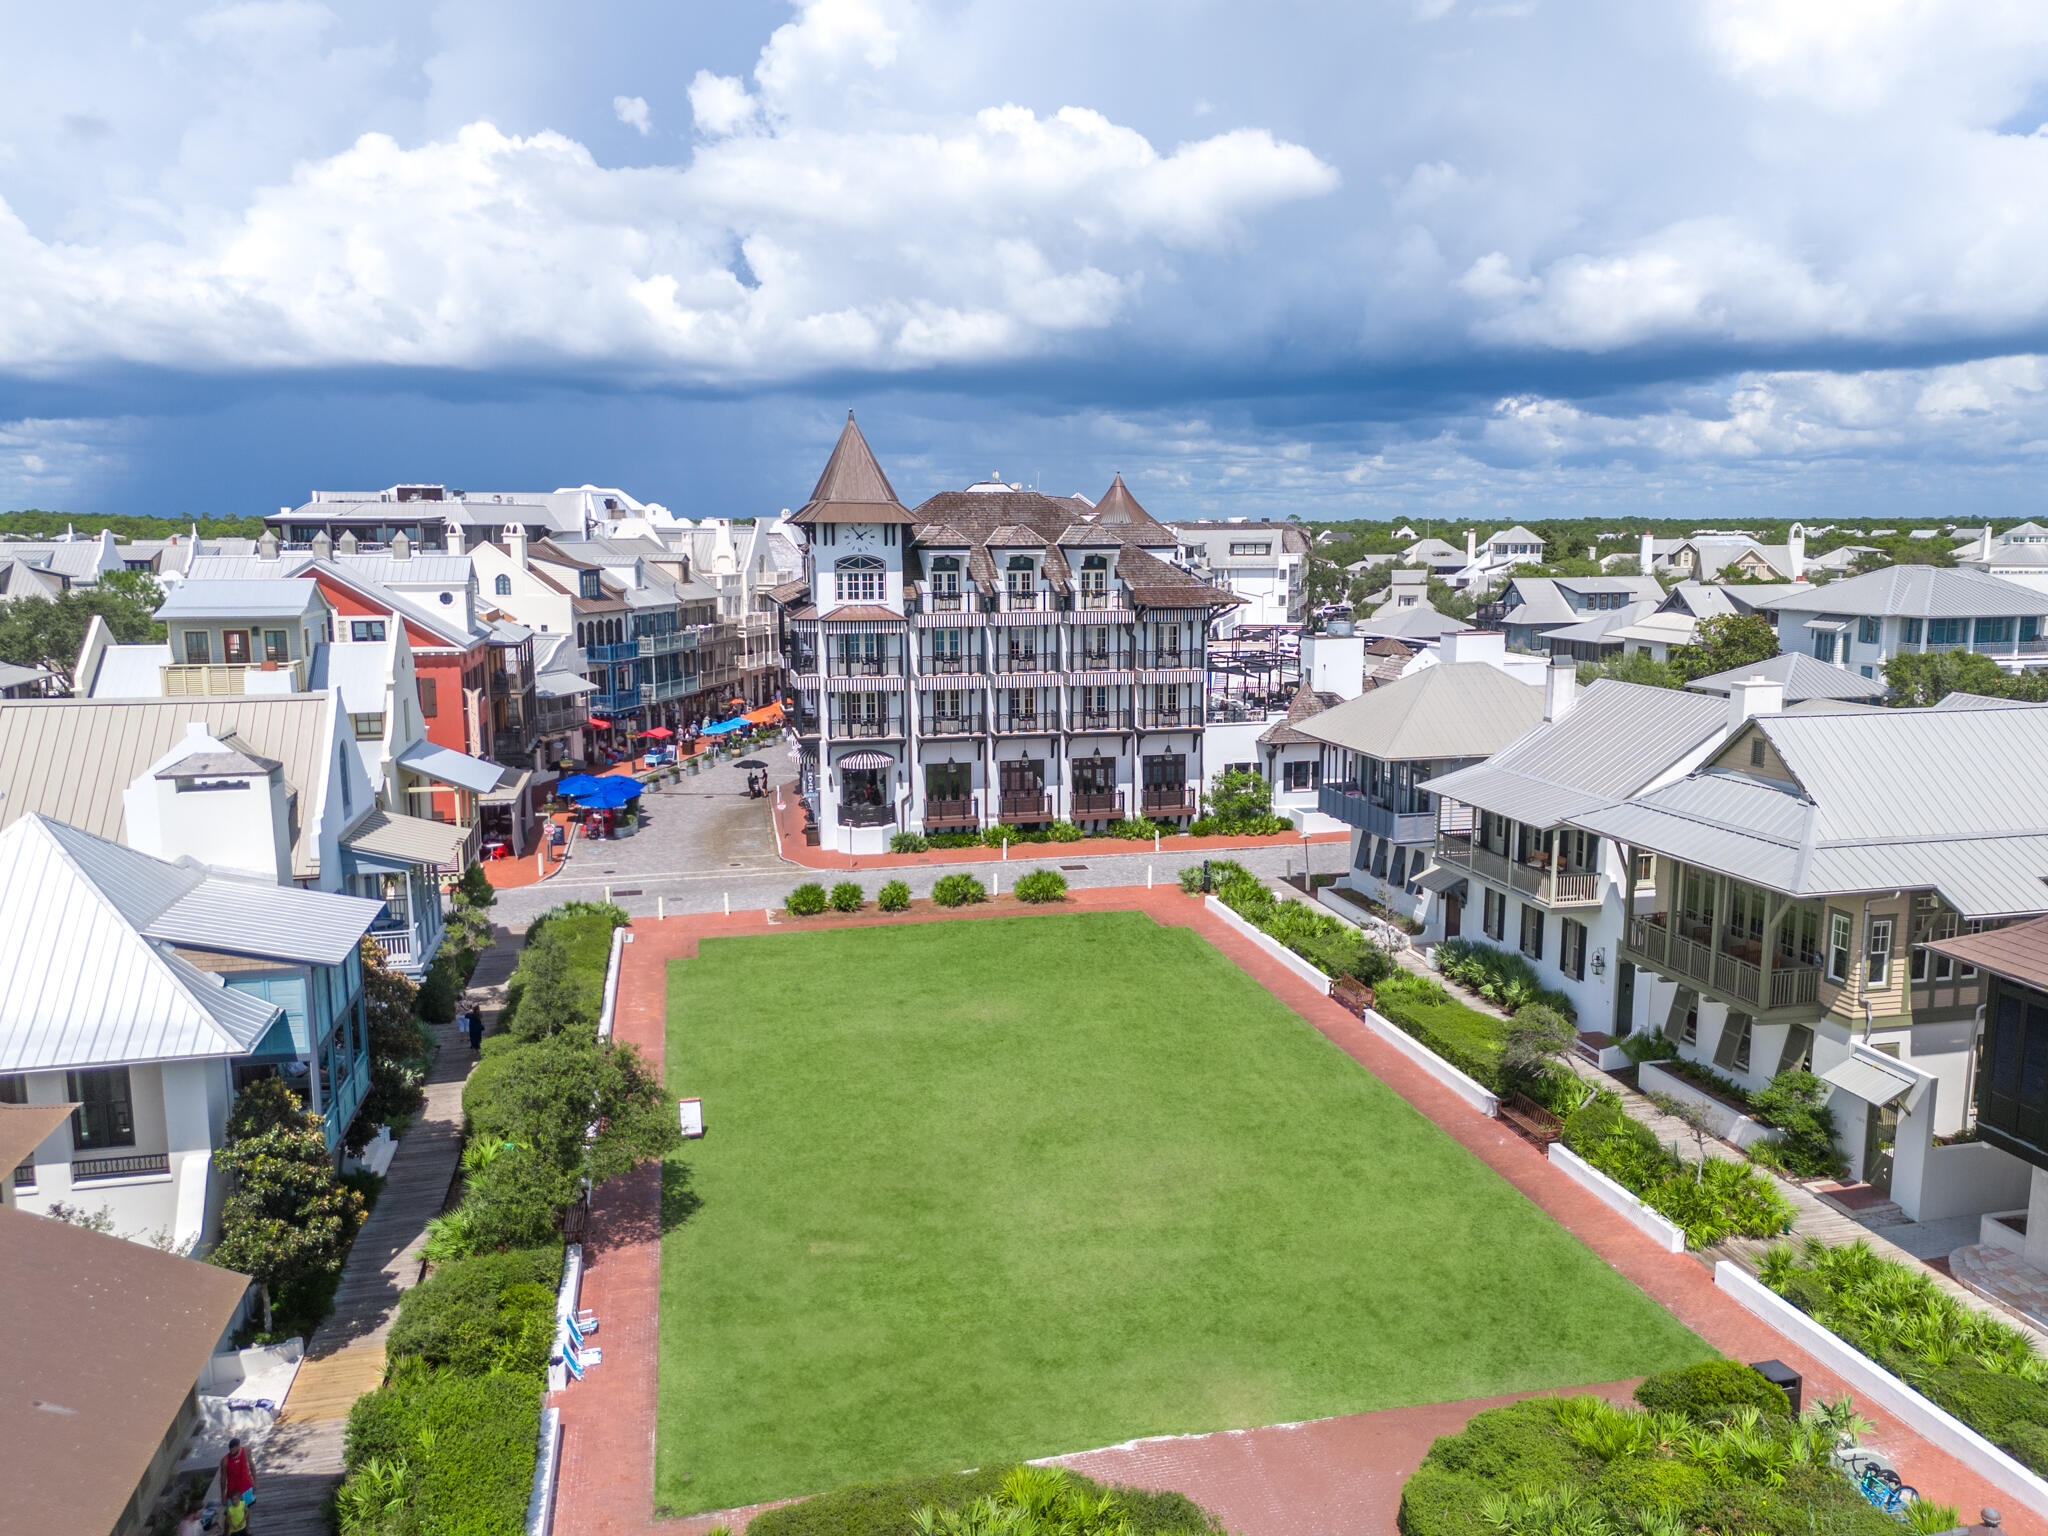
1779	1374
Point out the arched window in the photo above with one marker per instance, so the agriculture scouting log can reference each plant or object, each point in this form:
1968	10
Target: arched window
859	579
504	585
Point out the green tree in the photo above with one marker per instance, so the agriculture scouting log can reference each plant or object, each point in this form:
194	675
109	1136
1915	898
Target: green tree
1238	796
469	918
37	523
49	632
1633	668
550	996
287	1221
1450	602
400	1049
1725	641
1920	678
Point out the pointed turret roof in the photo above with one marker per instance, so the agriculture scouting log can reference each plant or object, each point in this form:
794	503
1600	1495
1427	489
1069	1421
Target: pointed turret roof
853	488
1118	505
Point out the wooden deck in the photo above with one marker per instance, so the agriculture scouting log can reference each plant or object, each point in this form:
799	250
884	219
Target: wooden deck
300	1463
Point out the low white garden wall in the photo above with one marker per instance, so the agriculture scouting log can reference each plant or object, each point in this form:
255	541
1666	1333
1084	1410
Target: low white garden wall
1269	944
1969	1179
1664	1233
1378	929
621	937
1465	1086
1932	1423
1731	1125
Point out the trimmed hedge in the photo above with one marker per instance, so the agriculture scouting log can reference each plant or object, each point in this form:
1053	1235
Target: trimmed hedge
468	1444
909	842
1468	1039
492	1312
1713	1389
1327	942
886	1509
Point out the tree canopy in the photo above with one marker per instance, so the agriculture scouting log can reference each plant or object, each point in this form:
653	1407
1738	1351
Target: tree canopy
49	632
1725	641
1920	678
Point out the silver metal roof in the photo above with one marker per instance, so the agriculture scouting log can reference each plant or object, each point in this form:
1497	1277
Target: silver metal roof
1914	591
451	767
407	839
273	922
84	986
1802	677
286	599
1455	709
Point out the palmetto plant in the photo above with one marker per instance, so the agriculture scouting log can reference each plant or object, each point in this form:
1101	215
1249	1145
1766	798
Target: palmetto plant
1033	1501
1547	1512
376	1489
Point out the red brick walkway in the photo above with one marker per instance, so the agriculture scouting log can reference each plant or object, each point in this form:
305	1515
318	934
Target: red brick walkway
1334	1475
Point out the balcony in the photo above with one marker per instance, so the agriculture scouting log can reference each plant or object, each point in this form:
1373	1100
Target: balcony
1168	800
94	1170
1175	719
1022	661
274	677
866	727
966	723
620	701
1028	722
1025	602
1551	888
1154	659
950	815
948	666
946	602
1655	945
1014	806
867	815
1094	600
804	721
1093	805
864	666
1114	659
628	650
1356	809
1102	720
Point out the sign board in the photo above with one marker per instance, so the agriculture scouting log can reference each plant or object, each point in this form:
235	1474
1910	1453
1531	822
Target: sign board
692	1113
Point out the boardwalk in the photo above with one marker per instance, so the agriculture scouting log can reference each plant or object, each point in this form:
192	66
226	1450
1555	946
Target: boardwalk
300	1464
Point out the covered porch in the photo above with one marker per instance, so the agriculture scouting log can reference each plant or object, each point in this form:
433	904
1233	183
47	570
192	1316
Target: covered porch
400	861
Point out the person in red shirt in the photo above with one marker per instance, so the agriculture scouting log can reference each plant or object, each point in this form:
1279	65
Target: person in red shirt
237	1477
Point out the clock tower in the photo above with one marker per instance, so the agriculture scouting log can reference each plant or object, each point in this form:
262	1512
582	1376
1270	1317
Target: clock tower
856	531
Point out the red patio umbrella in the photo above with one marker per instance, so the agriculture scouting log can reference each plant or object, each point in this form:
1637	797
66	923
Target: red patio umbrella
659	733
602	725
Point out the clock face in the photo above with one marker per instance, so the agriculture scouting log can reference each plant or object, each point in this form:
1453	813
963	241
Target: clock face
859	533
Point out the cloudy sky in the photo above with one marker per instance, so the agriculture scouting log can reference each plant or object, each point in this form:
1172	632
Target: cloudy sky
1400	257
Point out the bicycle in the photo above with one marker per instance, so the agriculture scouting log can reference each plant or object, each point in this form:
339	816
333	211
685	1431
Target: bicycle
1881	1486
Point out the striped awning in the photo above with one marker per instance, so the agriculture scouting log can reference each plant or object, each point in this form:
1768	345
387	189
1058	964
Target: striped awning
864	684
943	682
866	760
1098	679
862	626
1170	675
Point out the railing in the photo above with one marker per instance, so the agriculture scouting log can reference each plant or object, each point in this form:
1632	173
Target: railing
1102	719
396	942
1092	600
966	723
1096	805
866	728
1157	800
863	666
940	814
1554	888
1031	723
946	602
867	815
804	722
1022	661
1168	719
1670	953
2037	647
948	666
232	678
628	650
92	1170
1023	805
1114	660
622	701
1023	602
1176	658
1368	815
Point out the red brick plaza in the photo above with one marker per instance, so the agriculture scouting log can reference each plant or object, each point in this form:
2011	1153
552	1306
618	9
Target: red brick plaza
1331	1475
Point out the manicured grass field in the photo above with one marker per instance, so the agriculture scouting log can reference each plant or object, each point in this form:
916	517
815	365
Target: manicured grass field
990	1190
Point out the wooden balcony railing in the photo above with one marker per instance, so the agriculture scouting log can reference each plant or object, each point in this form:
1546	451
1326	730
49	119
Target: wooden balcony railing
189	679
1095	806
1023	805
966	723
396	942
1552	888
1656	944
1161	800
945	815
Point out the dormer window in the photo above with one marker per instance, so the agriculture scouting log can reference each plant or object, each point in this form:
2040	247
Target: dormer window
1095	581
1021	578
592	587
858	579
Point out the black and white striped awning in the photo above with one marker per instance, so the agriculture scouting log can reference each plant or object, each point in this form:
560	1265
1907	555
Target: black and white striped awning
866	760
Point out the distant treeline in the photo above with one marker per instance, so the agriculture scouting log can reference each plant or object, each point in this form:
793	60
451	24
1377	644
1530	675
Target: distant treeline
35	523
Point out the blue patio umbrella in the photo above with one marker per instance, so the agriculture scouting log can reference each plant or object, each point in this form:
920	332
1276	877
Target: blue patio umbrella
612	792
723	726
578	784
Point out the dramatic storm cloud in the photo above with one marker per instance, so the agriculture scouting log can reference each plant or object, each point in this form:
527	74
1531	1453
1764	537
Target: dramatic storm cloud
1383	258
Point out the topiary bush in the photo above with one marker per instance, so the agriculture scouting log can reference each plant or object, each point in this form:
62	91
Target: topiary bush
1710	1390
1042	885
959	890
893	897
492	1312
847	896
909	842
807	900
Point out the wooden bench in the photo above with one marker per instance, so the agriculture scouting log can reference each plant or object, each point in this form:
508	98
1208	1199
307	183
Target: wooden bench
1531	1119
1351	994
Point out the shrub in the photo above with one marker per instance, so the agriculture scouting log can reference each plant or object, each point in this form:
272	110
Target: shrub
894	896
807	900
467	1444
1499	975
955	840
1191	880
1649	1046
1653	1485
492	1312
1712	1389
1439	1503
1064	832
1796	1103
847	896
1468	1039
909	842
441	990
999	834
1042	885
888	1509
1136	828
1709	1200
958	890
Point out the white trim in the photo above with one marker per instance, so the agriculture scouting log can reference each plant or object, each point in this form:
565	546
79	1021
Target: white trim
1470	1089
611	984
540	1505
1661	1231
1939	1428
1269	944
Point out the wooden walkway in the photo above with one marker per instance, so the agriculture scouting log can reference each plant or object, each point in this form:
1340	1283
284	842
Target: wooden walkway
300	1463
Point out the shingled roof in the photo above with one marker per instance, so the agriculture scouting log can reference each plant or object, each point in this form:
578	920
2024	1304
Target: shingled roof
1308	703
853	488
1118	505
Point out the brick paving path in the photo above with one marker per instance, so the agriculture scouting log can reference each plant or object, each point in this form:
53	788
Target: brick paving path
1334	1475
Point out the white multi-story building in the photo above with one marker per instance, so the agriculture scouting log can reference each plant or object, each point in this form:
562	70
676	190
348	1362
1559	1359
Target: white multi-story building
1861	622
1266	564
996	656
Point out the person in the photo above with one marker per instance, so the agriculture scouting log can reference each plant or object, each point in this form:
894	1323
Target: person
237	1484
476	1032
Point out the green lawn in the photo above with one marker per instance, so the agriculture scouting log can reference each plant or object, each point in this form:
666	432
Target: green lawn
999	1189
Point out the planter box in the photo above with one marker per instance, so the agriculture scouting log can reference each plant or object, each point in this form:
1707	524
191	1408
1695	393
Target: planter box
1470	1089
1934	1424
1730	1124
1269	944
1664	1233
1378	929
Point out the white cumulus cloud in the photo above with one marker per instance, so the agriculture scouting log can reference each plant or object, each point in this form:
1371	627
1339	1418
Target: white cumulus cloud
632	111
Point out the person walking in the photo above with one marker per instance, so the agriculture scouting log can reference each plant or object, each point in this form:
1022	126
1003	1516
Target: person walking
237	1485
475	1024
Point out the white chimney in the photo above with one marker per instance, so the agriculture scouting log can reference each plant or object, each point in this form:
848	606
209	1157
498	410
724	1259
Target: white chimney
1795	548
515	544
1489	647
1984	543
1560	689
1752	696
1334	663
1648	557
1471	546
